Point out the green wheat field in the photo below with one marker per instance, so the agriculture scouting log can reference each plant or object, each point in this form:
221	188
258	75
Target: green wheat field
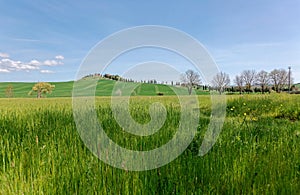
257	151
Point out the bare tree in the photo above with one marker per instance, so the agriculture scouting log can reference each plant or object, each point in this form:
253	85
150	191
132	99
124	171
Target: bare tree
279	78
190	79
221	81
249	77
238	80
263	80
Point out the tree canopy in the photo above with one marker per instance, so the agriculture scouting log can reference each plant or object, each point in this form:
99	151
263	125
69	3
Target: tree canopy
221	81
42	88
190	79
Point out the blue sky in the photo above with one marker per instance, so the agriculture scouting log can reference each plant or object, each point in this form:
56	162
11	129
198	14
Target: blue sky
47	40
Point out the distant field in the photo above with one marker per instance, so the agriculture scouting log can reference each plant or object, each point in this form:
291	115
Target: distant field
104	88
20	89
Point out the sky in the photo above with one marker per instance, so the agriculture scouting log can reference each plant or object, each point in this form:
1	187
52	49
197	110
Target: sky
48	40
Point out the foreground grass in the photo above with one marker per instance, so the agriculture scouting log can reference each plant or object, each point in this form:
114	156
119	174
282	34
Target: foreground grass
257	151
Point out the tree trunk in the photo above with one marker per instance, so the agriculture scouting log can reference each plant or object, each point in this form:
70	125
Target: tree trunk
39	94
190	90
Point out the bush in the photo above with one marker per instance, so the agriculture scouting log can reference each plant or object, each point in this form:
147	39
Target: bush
295	92
230	93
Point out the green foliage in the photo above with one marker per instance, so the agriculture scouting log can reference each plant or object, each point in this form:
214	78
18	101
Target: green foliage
42	88
256	153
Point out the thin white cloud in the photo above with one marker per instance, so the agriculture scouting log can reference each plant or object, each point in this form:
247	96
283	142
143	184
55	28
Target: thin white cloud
25	40
50	62
57	61
259	56
35	62
4	70
4	55
47	71
59	57
10	65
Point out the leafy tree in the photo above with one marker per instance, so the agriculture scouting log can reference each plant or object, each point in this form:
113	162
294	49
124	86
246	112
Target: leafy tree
9	91
190	79
42	88
221	81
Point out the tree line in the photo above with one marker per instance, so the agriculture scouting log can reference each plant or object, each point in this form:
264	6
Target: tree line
247	81
122	79
277	80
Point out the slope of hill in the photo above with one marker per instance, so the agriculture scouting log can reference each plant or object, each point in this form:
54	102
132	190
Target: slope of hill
21	89
104	88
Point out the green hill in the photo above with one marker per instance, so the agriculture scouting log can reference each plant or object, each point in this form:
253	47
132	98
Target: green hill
21	89
104	88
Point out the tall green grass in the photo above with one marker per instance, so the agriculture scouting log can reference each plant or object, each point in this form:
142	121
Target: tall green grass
257	151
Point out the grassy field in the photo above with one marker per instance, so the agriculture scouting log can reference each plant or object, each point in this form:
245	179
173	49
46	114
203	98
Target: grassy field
104	88
257	151
21	89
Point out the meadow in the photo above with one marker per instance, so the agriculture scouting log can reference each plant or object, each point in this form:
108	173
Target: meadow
104	88
257	151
